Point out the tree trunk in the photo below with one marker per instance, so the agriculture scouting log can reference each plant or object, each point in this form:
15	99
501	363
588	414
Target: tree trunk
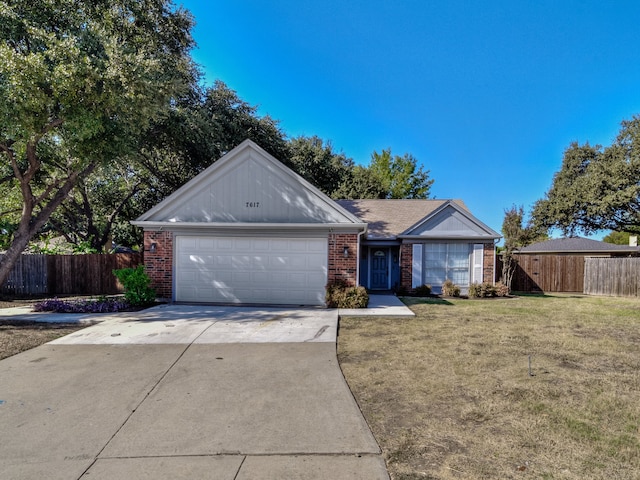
508	269
18	244
30	224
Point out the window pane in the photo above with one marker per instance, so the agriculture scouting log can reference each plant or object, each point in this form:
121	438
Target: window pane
444	261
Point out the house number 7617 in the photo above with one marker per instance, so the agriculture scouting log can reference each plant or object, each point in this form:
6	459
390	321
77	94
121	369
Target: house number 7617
252	204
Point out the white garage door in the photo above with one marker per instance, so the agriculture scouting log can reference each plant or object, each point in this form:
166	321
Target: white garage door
251	270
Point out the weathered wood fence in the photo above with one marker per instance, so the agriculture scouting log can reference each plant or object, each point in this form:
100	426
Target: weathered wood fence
612	276
547	273
68	274
617	276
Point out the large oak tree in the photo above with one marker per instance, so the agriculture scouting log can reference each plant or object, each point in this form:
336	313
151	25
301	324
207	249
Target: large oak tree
80	82
596	188
198	130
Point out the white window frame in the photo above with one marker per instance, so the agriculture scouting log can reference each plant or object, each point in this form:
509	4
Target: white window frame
420	257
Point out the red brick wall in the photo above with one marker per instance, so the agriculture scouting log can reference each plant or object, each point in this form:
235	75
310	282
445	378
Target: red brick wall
341	268
488	263
406	259
159	264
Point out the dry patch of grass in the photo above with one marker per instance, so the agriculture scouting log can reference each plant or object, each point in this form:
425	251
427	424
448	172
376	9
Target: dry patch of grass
449	395
18	336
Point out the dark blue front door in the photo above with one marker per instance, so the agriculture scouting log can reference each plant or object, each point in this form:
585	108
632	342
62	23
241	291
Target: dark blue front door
380	269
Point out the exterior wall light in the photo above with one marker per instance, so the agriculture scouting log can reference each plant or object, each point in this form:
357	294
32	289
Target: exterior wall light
153	247
345	251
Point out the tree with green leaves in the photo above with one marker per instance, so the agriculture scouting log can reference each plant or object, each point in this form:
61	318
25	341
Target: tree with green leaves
229	120
315	160
360	182
516	235
80	81
617	238
596	188
197	130
400	176
387	176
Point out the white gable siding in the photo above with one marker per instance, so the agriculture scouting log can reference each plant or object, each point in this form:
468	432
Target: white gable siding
449	223
248	186
252	192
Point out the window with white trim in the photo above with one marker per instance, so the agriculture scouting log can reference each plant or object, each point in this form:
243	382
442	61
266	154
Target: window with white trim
446	261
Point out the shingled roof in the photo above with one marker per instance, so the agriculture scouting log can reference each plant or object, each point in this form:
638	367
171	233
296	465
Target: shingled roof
390	218
577	245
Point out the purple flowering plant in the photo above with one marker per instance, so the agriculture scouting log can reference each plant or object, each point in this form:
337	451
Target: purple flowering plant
99	305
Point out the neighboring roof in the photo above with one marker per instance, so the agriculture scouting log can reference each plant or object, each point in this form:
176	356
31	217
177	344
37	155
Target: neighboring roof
576	245
390	219
248	188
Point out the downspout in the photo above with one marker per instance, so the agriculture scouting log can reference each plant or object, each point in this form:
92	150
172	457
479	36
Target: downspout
358	256
495	260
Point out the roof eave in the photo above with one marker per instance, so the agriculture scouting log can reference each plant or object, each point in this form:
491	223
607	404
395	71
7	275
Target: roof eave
153	225
571	252
449	237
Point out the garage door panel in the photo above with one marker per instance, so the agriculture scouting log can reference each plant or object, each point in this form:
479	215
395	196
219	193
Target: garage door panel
251	270
261	245
298	247
298	261
317	278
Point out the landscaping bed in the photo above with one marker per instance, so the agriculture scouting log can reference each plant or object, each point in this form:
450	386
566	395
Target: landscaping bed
449	394
18	335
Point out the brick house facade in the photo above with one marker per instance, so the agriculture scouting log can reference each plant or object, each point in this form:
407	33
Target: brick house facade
343	266
249	230
158	261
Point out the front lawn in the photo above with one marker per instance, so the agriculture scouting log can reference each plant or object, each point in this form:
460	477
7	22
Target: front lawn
17	336
449	393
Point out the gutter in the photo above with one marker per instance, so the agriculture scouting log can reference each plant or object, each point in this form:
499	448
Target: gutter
148	225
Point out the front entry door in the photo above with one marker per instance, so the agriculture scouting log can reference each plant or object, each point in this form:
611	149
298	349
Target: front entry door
380	269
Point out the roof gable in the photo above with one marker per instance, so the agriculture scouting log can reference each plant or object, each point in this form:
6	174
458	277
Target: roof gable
247	185
388	218
450	221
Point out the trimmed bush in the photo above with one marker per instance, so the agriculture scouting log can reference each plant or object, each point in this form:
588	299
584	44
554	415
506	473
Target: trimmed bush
482	290
502	290
423	291
474	290
136	285
342	295
450	289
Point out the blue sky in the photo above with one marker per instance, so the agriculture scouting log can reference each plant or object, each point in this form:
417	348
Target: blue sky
485	94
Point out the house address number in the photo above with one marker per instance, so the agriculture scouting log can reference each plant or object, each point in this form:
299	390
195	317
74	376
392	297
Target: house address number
252	204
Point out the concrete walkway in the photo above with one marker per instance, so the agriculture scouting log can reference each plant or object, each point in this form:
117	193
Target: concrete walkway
380	305
186	392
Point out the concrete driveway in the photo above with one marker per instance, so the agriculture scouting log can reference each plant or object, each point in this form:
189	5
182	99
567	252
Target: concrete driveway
186	392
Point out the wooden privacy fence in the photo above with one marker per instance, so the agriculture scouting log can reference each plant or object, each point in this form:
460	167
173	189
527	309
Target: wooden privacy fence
612	276
547	273
68	274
